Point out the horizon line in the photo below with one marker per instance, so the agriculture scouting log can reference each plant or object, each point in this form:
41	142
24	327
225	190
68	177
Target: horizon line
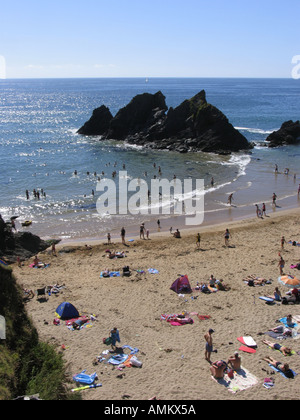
145	77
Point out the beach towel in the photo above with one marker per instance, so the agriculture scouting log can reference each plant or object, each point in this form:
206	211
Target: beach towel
241	381
203	317
282	373
284	322
294	243
110	274
117	359
40	265
132	350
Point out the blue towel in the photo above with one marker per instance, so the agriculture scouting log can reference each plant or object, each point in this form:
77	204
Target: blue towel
152	271
281	373
111	274
283	321
118	359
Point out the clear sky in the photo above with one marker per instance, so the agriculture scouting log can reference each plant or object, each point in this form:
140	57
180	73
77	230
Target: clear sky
149	38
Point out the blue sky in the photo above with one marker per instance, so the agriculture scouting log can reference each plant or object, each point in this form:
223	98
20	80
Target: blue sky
155	38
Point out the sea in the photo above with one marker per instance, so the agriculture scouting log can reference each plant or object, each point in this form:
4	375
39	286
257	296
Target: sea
40	150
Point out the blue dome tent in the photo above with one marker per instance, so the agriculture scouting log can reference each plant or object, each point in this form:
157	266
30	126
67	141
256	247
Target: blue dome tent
66	311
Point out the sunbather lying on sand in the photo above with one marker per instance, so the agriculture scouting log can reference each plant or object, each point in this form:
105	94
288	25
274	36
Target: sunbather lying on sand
257	281
281	329
114	254
283	367
286	351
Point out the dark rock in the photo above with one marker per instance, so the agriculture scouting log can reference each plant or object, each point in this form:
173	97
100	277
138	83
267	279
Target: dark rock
98	124
22	244
289	133
193	126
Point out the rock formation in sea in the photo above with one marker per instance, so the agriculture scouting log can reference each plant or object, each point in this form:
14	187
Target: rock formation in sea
193	126
289	133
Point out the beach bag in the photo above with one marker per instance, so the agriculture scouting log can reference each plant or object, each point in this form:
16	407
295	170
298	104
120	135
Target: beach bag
126	271
107	341
251	283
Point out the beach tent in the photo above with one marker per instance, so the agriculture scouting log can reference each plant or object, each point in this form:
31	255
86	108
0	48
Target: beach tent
66	311
181	285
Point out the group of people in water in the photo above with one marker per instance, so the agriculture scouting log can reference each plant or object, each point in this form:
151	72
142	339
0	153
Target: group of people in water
38	194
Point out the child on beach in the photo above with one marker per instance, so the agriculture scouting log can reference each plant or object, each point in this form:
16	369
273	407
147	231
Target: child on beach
115	337
226	237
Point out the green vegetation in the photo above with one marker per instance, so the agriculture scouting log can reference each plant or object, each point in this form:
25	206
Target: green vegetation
27	366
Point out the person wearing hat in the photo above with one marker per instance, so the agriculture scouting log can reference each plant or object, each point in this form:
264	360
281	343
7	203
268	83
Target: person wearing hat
235	361
217	369
209	344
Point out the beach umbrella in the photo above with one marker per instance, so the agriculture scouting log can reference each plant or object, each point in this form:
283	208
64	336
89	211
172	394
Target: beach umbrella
289	281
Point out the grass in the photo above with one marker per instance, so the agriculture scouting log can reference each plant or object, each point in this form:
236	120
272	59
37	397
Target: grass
27	366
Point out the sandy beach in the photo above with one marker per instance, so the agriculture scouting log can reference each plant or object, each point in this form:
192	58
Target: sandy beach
173	362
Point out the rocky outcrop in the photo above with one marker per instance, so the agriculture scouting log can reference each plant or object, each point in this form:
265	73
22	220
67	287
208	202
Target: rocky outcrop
193	126
21	244
99	122
289	133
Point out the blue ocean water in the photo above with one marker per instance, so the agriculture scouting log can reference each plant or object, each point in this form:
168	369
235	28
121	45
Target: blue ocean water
40	149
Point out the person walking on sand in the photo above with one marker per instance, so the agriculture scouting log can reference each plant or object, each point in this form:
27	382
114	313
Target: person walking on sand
226	237
282	242
198	240
274	199
264	209
281	264
142	231
208	345
123	235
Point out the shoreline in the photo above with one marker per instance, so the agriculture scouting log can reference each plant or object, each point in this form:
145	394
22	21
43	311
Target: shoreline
246	216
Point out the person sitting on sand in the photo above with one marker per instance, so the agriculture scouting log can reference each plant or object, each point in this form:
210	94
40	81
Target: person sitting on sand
217	369
212	281
282	367
221	286
276	296
36	261
177	234
286	351
235	361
